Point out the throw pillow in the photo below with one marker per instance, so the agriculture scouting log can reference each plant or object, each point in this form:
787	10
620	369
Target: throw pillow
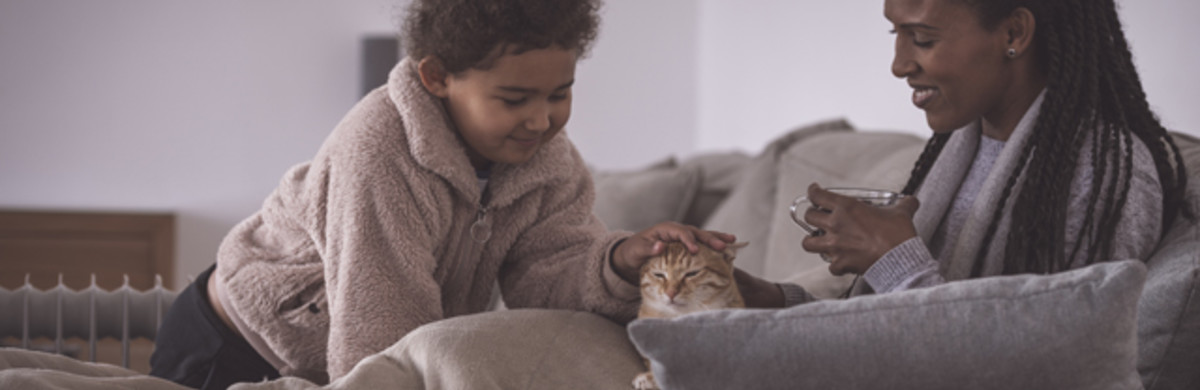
637	199
881	160
1072	330
1169	310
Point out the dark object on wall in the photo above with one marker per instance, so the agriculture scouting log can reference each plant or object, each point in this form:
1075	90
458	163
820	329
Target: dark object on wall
380	53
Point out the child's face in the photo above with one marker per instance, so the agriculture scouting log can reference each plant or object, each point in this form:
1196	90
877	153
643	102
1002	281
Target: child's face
505	113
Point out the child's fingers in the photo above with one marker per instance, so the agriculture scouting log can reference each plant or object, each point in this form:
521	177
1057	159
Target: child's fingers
657	248
679	233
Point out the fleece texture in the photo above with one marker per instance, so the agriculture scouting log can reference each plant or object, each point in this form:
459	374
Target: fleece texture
373	238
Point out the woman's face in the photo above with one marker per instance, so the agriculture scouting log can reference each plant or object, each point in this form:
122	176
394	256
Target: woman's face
954	65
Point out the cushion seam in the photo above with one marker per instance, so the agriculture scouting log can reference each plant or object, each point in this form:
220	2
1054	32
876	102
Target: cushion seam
912	305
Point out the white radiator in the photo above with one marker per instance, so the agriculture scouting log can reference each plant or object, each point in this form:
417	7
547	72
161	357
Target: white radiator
90	314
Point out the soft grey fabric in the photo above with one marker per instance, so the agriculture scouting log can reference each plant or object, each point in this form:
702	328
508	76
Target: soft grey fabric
1139	227
880	160
720	173
1169	310
749	210
634	200
510	350
1072	330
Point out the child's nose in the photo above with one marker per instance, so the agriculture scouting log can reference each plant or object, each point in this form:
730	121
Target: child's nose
539	120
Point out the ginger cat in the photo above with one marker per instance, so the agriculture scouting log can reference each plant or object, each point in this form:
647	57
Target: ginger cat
679	282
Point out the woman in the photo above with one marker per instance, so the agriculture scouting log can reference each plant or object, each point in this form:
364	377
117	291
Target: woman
1045	155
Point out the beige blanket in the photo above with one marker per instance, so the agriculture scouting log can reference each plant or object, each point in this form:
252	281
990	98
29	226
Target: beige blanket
511	349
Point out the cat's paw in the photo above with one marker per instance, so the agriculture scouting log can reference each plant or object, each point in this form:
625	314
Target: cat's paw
645	381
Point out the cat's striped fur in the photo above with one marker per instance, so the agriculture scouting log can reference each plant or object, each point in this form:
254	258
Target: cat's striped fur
678	282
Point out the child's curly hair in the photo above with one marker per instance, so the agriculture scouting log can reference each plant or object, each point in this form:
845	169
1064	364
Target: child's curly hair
464	34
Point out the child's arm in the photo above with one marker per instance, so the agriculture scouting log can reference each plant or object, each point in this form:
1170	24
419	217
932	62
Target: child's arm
378	257
562	262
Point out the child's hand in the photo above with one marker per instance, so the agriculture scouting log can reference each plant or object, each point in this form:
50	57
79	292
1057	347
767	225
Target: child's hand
631	254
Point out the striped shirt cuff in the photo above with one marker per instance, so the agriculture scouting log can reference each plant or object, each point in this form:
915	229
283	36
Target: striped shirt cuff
794	295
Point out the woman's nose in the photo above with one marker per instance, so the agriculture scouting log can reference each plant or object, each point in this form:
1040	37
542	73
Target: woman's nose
903	66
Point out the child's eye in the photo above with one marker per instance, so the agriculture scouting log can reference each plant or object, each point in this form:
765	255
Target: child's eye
513	102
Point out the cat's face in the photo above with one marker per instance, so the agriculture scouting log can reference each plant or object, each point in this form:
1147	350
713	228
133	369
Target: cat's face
680	281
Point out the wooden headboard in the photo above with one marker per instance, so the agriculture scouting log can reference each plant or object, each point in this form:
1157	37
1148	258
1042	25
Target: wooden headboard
111	245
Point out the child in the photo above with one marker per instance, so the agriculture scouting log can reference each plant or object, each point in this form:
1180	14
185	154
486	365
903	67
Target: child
448	180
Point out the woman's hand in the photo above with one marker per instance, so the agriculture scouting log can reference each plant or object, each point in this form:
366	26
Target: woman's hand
854	235
633	252
758	292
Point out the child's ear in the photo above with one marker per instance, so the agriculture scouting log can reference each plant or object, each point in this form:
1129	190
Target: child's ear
433	75
731	250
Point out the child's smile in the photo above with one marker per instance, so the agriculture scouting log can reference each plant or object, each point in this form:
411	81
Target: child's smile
506	112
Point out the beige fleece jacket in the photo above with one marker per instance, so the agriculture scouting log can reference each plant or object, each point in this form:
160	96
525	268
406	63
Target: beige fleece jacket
372	238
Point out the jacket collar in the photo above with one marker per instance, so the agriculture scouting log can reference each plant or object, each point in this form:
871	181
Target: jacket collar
435	145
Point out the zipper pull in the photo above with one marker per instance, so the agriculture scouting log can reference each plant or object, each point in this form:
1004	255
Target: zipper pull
481	230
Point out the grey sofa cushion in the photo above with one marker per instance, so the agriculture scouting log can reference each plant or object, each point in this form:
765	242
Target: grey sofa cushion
1072	330
880	160
719	175
634	200
749	210
1169	310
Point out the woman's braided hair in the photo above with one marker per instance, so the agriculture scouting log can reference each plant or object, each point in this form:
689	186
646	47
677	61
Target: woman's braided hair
1094	99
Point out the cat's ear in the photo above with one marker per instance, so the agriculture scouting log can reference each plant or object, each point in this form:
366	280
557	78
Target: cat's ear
731	250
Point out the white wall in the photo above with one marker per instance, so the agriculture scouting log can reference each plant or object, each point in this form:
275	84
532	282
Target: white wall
637	94
191	107
198	108
767	66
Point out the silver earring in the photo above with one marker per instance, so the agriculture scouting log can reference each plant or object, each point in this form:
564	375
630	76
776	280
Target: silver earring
1012	53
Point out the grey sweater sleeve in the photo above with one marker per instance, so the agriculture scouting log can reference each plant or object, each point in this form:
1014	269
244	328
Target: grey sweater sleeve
908	265
794	295
911	265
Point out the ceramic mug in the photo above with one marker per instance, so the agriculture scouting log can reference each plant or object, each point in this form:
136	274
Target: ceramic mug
879	198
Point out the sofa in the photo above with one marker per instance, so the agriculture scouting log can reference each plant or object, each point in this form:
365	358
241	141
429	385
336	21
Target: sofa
1118	325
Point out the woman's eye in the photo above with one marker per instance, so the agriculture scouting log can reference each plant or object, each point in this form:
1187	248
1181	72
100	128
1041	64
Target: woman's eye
558	98
921	41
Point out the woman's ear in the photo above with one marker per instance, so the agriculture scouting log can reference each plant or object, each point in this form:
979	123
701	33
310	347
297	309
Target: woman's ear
433	76
1020	27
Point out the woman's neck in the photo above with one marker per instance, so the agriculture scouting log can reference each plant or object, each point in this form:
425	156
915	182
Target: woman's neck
1002	122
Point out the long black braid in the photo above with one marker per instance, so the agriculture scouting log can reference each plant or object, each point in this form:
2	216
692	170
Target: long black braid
1094	99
